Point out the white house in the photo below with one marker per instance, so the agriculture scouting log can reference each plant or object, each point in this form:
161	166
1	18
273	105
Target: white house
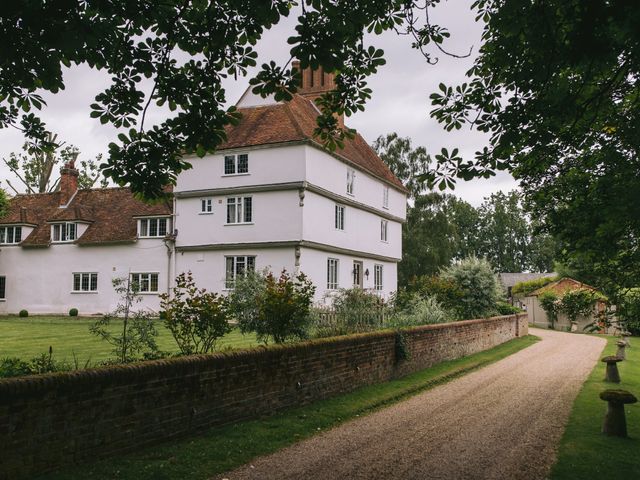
271	197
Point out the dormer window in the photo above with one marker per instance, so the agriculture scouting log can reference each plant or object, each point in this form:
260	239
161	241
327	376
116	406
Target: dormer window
351	178
10	235
153	227
236	164
64	232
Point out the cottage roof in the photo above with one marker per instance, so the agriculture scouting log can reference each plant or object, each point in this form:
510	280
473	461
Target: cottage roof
109	212
510	279
563	285
295	121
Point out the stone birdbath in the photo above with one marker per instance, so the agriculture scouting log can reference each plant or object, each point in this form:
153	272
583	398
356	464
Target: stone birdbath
615	423
621	346
612	374
625	337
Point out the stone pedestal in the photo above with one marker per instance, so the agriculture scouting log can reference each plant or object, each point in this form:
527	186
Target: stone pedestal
615	422
612	374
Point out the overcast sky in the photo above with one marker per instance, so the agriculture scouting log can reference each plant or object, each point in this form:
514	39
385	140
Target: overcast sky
400	100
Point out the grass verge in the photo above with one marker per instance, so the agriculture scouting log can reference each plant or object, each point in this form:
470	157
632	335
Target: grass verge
584	452
227	447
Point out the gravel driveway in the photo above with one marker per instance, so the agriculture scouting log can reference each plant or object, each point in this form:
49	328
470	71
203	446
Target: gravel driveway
501	422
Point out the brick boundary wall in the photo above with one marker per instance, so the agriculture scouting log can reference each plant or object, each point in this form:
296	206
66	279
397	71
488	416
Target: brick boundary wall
49	421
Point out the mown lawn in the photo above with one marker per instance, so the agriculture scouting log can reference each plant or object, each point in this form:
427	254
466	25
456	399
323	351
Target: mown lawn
584	451
29	337
230	446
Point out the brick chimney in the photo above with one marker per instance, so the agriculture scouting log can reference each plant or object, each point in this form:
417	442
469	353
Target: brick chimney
68	181
315	83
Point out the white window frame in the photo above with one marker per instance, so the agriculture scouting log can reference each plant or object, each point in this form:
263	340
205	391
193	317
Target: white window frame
385	197
378	276
145	280
351	180
144	227
248	262
10	234
206	206
240	211
384	230
92	287
333	273
239	161
339	217
65	232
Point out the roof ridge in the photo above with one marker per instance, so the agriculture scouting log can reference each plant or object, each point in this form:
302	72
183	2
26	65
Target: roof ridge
294	120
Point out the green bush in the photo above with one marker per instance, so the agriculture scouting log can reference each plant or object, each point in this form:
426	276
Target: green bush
354	310
580	302
13	367
629	310
417	311
550	303
445	291
504	308
480	289
23	313
73	312
44	363
197	319
283	309
242	300
523	289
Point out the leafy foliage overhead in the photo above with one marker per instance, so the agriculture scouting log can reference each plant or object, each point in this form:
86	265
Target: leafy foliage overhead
556	86
187	48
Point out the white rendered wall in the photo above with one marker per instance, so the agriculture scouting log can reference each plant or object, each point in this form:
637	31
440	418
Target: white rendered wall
266	166
314	264
209	268
41	279
361	228
276	216
330	173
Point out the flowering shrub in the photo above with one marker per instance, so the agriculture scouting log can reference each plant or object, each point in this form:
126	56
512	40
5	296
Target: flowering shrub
283	308
196	318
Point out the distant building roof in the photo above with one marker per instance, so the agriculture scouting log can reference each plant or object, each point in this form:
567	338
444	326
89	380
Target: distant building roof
563	285
510	279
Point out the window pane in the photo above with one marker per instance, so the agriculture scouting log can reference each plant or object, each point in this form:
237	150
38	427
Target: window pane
243	163
154	282
3	231
153	227
248	209
162	227
229	164
94	282
18	235
144	282
231	210
240	265
71	231
229	272
85	282
144	227
251	264
76	282
3	283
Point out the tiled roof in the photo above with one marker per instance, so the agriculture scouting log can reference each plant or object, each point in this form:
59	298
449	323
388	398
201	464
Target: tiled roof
110	213
563	285
295	121
510	279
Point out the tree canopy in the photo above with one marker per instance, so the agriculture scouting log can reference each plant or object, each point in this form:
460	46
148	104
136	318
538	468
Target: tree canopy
187	48
556	85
